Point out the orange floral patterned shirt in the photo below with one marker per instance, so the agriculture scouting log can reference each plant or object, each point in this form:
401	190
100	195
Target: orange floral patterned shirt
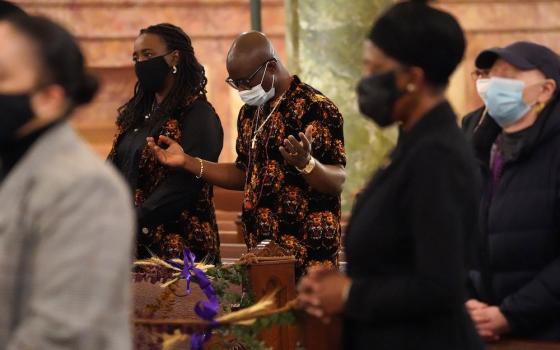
278	203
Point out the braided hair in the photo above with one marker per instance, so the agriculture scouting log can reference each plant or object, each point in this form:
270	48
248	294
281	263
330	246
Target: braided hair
190	80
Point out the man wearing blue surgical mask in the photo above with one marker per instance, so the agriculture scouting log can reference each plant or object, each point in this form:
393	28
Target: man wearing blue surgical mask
290	156
514	280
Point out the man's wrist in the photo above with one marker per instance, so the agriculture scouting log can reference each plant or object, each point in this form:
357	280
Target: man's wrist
308	167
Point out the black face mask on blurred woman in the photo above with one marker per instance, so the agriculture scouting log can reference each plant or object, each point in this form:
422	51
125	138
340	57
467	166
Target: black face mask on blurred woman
152	73
15	112
377	95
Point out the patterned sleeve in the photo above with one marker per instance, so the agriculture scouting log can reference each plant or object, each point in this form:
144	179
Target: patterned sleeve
328	134
241	143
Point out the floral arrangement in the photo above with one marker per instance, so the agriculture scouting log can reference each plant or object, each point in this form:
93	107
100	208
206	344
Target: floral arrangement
229	311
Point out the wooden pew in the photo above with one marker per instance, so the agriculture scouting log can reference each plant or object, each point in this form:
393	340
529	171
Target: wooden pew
232	250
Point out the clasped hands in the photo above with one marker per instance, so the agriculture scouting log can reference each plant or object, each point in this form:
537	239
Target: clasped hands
489	321
321	292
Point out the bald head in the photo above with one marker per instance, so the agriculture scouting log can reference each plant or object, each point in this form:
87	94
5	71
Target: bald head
252	60
249	51
251	46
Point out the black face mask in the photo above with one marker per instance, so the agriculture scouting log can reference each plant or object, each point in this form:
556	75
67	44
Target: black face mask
152	73
15	112
377	95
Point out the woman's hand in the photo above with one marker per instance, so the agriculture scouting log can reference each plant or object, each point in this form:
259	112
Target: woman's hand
172	156
489	320
473	304
322	291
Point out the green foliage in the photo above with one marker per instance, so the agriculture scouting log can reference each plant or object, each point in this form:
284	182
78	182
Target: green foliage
228	281
248	335
223	278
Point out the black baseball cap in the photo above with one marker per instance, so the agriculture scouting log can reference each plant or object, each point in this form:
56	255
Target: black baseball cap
524	55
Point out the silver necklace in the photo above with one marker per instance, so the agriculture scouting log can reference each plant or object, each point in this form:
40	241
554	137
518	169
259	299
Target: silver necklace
260	128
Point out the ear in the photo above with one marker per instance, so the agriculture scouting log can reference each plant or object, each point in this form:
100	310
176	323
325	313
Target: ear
174	58
49	103
548	90
411	79
273	66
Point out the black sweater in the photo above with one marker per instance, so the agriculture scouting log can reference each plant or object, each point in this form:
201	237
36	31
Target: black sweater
405	244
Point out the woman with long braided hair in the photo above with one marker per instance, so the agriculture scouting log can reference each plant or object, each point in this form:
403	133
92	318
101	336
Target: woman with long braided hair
174	208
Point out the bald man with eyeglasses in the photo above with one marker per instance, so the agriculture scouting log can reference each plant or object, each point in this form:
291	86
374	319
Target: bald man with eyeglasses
290	156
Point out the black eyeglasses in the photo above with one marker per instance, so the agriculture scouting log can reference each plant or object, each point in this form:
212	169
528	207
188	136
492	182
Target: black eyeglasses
246	83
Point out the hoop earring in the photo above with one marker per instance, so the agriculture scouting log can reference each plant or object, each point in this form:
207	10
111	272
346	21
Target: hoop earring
174	69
